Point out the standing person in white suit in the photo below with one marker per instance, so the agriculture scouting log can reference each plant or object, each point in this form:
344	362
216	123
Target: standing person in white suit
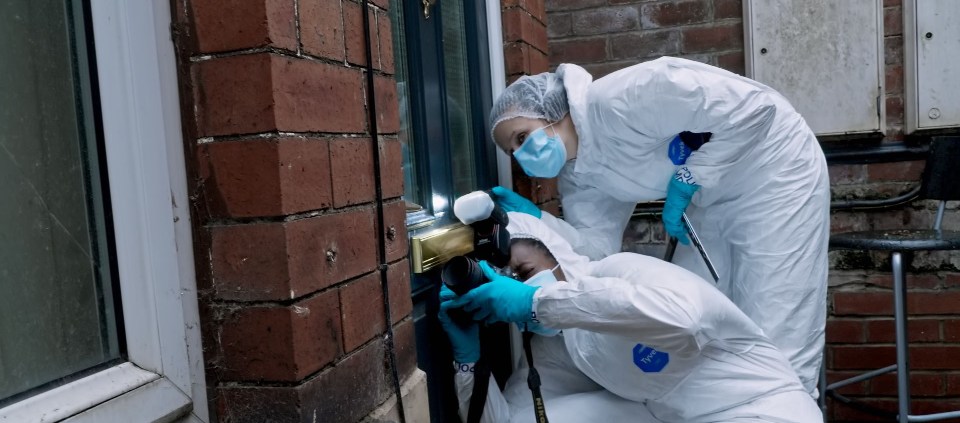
642	340
757	192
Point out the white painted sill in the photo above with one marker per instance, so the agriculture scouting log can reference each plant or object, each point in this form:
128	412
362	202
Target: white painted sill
121	393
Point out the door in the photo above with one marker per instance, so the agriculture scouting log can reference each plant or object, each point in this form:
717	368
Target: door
443	81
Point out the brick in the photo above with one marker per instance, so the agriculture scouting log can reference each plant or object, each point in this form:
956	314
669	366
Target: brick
388	105
391	167
935	357
249	262
951	330
516	58
317	97
892	21
894	79
891	3
847	174
257	404
644	44
914	281
235	95
733	62
606	20
351	161
953	385
862	303
845	413
918	330
865	357
951	280
327	249
353	32
934	302
728	9
578	51
349	390
893	50
395	232
401	304
226	25
859	388
405	347
555	5
518	25
674	13
845	331
714	38
264	177
385	34
539	62
361	310
599	70
921	385
281	343
265	92
561	25
321	28
343	393
933	406
894	110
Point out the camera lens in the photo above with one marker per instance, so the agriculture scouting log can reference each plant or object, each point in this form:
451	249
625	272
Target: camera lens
461	274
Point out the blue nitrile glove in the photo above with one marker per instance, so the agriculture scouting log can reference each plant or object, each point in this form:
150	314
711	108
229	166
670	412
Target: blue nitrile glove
513	202
679	192
464	336
503	299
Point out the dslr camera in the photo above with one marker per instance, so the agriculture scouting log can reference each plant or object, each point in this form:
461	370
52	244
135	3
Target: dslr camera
491	242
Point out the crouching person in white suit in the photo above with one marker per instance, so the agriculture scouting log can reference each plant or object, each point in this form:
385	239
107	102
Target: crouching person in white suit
629	338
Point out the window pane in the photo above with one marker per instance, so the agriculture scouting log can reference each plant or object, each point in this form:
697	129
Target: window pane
458	97
411	187
57	311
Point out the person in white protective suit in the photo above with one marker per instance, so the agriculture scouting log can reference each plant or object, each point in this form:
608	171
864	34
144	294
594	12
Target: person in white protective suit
757	192
627	338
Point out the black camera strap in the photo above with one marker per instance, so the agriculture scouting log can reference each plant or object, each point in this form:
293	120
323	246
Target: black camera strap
481	380
533	380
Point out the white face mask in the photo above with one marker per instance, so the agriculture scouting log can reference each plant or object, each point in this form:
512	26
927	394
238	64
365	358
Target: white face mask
542	278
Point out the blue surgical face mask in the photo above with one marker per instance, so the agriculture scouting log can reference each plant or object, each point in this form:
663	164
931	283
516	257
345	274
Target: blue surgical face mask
543	278
541	155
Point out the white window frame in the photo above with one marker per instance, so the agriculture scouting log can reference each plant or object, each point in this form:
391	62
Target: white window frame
163	379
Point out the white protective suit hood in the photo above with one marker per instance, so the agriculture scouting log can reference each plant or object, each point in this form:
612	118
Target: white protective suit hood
575	266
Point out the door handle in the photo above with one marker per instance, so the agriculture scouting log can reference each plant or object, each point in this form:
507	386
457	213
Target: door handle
427	6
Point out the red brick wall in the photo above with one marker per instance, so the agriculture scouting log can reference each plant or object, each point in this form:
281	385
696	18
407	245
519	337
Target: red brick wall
606	35
281	164
525	53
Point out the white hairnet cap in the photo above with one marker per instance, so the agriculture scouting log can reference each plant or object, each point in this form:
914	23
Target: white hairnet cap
540	96
575	266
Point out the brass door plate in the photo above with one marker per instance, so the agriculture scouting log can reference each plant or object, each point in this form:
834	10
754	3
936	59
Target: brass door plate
431	250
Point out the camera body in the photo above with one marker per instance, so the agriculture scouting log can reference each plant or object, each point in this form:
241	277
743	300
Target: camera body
491	242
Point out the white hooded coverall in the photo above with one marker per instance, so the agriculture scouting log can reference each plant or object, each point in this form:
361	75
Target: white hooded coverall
643	341
763	208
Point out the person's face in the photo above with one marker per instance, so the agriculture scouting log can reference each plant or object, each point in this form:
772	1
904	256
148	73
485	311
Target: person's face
526	261
511	133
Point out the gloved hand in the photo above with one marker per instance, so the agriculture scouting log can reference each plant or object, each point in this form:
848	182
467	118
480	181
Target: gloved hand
464	336
679	192
503	299
513	202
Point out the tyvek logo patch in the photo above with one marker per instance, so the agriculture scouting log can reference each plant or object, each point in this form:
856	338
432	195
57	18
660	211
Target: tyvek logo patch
678	151
650	360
